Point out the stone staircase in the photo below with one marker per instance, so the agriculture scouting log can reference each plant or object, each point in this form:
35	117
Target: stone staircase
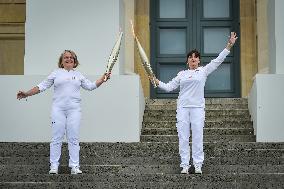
232	157
227	120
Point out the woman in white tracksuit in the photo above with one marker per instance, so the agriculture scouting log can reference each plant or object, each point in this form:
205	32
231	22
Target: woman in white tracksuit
66	109
191	104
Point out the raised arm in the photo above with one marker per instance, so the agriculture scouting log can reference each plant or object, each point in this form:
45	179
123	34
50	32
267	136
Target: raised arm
209	68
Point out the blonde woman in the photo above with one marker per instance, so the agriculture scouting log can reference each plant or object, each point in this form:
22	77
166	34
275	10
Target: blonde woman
66	108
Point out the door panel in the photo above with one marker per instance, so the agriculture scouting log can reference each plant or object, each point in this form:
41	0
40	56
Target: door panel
216	8
182	25
220	79
214	39
167	71
172	9
172	41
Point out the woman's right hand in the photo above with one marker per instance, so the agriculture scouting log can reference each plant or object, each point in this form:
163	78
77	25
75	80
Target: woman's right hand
22	94
154	79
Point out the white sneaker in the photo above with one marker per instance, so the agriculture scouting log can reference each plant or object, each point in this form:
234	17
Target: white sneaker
53	170
197	169
184	170
76	170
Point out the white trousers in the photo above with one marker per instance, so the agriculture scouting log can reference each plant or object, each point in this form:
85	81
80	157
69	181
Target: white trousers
65	120
190	118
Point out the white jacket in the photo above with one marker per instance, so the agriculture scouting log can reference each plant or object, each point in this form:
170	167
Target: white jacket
192	83
67	86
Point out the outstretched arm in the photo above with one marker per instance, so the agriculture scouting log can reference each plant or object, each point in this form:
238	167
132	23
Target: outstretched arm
23	94
231	41
47	83
103	79
89	85
209	68
168	87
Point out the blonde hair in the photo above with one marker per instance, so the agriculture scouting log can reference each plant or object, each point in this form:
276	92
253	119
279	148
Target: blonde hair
76	62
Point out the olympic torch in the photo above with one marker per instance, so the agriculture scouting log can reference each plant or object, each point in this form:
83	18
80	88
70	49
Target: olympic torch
114	54
144	59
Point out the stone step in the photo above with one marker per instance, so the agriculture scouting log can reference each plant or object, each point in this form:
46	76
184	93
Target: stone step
211	103
169	152
8	170
174	152
212	112
206	131
207	138
148	181
174	159
208	101
207	107
207	118
232	157
107	184
208	124
131	149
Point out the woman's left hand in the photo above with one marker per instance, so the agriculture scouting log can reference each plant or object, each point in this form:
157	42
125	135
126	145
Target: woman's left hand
106	76
233	38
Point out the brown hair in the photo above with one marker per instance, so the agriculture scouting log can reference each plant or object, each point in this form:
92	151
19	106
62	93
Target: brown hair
196	52
76	62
